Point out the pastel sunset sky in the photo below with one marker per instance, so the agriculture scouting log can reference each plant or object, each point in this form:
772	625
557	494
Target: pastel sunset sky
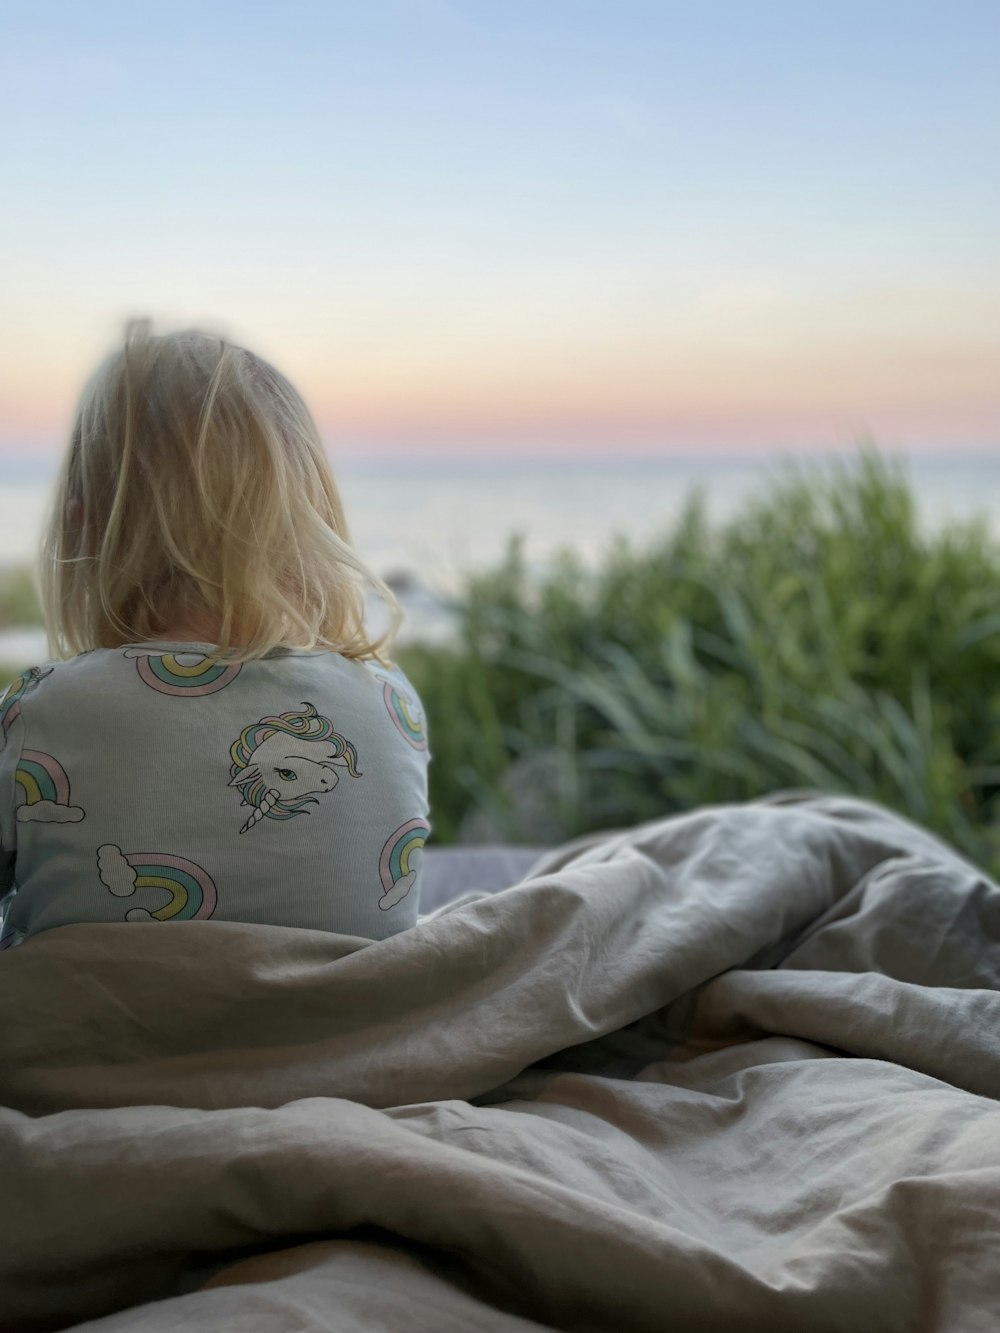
482	225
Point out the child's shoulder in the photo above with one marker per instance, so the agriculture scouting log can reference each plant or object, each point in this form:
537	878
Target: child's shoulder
13	697
61	674
28	680
191	670
32	676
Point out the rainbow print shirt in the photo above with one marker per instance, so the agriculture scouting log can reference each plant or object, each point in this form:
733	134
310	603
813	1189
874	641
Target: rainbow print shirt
151	784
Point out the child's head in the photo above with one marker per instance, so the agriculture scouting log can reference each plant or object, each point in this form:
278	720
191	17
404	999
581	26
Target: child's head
196	489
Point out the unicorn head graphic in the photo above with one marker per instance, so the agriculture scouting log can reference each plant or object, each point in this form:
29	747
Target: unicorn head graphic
280	762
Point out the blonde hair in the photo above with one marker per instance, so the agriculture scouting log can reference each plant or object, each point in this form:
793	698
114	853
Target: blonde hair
202	488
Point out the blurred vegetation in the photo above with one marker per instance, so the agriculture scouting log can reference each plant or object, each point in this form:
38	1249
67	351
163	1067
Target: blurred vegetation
19	603
19	606
818	640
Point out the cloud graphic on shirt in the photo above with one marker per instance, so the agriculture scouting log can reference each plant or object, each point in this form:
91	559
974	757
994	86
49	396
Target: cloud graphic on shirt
398	891
48	812
115	872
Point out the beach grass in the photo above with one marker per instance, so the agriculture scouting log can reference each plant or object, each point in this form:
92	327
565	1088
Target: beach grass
818	640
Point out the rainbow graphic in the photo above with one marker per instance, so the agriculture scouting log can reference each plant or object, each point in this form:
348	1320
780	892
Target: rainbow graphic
399	861
192	891
185	674
10	705
45	787
405	716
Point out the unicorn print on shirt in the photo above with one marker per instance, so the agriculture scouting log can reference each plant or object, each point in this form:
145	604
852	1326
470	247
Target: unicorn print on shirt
282	763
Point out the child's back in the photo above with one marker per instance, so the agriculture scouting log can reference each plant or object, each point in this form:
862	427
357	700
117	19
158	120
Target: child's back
146	783
276	773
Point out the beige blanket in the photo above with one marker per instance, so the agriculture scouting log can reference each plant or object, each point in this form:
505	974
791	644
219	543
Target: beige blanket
735	1070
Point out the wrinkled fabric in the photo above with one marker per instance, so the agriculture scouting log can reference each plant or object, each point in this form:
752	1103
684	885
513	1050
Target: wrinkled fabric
732	1069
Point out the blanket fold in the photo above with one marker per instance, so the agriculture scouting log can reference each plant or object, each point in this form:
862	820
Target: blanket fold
732	1067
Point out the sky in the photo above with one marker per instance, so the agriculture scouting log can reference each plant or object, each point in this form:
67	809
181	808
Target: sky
512	226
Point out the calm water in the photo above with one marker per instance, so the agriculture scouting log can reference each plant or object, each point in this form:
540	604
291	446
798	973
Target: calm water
432	521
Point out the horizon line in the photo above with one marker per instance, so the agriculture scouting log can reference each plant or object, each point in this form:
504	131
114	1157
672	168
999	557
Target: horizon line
549	453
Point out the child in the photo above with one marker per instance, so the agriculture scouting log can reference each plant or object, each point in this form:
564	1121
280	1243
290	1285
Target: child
228	742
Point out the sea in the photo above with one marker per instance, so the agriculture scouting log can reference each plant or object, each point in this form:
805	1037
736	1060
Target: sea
423	524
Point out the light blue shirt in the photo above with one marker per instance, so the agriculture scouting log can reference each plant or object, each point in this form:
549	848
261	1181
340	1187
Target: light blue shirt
145	783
